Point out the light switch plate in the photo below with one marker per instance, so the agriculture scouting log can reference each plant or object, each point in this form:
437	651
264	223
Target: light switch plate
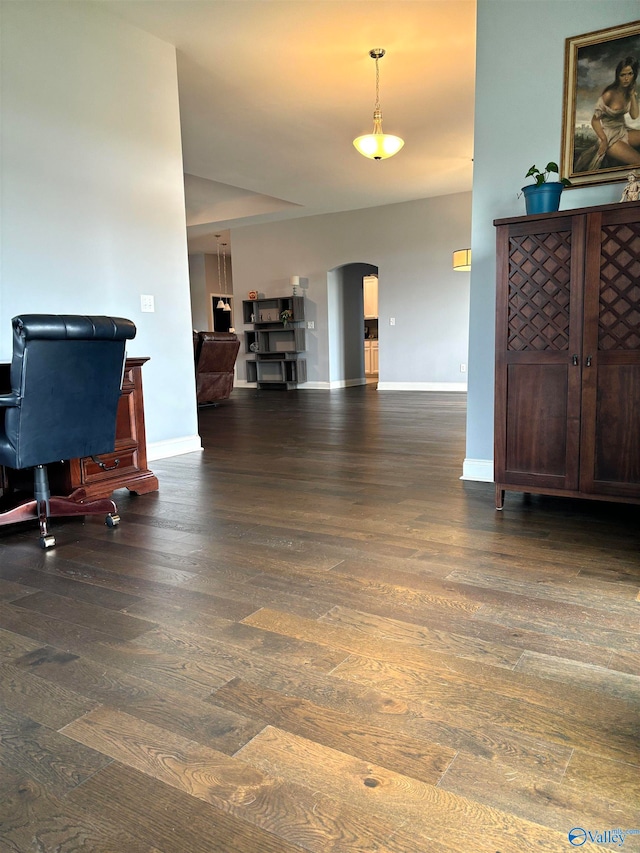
147	303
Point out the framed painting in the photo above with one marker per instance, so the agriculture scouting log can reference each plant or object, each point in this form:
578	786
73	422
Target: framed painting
601	117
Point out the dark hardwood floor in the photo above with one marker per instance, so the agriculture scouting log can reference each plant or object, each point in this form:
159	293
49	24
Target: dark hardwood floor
316	637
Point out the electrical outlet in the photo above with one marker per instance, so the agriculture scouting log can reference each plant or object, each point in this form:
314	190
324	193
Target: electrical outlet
463	368
311	324
147	303
392	321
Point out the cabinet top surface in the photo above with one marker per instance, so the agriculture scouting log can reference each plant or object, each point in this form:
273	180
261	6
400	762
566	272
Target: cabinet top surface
559	214
284	298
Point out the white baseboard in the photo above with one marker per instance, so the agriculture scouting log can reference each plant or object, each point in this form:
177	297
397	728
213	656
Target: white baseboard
347	383
329	386
322	386
173	447
422	386
480	470
382	386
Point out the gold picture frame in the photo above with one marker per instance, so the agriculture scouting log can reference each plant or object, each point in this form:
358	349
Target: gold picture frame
591	63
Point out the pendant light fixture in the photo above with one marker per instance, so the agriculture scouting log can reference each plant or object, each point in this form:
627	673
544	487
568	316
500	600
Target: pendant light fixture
225	306
220	303
378	145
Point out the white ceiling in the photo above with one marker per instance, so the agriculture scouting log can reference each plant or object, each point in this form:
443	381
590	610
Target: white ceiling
272	93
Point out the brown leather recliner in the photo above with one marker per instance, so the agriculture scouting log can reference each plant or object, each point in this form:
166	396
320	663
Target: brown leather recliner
215	356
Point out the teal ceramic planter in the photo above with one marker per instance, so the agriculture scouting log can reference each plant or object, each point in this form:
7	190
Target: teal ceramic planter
544	198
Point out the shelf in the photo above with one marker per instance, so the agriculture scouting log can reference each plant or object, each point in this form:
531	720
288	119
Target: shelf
269	311
277	372
281	340
273	345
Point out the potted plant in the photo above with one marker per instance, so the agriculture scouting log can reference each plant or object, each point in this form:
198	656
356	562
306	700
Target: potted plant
286	316
543	196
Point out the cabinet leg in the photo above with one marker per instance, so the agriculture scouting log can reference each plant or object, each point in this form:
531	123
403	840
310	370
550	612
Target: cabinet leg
499	497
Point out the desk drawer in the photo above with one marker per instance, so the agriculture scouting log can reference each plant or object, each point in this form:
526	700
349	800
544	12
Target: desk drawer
90	472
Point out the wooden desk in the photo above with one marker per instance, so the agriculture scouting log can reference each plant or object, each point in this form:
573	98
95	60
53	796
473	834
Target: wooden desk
82	479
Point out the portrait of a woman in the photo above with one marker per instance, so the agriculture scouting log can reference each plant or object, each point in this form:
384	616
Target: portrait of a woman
601	115
616	142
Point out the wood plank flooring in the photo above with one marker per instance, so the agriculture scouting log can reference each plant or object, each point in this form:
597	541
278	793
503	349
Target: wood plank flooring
316	637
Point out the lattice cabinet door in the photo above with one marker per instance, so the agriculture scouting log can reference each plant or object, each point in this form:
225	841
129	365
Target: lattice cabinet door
538	354
610	441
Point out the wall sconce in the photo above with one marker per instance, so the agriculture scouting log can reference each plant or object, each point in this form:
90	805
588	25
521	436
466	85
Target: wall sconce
462	260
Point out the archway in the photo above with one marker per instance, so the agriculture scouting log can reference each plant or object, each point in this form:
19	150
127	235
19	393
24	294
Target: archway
346	323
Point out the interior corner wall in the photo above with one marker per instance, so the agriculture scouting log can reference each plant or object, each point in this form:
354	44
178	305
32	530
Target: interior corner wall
199	295
335	326
518	121
411	244
92	204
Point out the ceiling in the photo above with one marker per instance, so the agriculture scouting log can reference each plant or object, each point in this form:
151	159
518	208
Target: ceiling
272	93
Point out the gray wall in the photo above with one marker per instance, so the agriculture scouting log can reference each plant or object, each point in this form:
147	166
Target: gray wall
205	282
92	204
519	89
200	317
411	245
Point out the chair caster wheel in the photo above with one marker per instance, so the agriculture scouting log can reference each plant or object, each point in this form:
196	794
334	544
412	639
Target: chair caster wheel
47	541
112	520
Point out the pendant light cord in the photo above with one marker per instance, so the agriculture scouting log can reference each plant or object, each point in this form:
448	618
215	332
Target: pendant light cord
224	264
218	246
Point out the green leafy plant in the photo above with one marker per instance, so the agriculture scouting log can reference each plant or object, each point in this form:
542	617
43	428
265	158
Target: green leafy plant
286	316
541	176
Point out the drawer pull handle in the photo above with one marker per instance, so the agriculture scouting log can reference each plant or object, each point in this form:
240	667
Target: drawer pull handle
588	361
574	360
104	466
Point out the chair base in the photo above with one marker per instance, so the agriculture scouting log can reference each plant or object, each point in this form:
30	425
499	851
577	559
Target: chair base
36	510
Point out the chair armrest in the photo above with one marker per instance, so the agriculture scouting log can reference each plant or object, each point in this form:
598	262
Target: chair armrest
9	400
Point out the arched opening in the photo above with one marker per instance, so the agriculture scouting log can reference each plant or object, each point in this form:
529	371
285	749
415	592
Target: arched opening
346	325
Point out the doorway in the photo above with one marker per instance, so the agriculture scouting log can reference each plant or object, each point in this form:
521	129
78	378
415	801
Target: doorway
221	317
371	351
347	325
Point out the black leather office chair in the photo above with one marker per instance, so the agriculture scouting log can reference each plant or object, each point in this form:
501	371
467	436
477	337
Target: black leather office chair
66	376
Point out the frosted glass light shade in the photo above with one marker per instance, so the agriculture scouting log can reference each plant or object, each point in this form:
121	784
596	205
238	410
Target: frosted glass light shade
378	146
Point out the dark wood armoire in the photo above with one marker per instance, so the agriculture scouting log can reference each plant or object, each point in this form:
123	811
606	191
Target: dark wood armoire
567	398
